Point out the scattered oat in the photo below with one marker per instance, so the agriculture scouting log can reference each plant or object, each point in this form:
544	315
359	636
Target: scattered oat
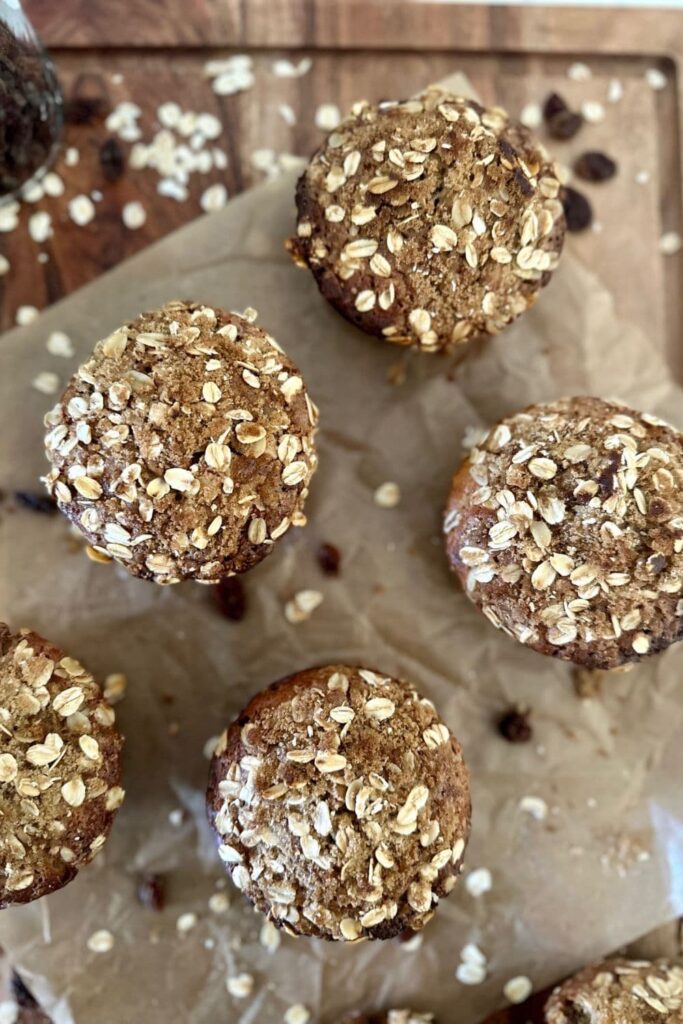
297	1014
9	216
60	344
53	184
287	113
186	922
535	806
81	210
531	115
40	226
302	605
219	902
133	215
593	112
642	177
387	495
115	687
101	941
47	383
287	69
670	243
230	75
26	315
269	937
327	117
615	91
175	817
478	882
470	973
579	72
214	198
4	265
656	79
240	986
71	156
518	989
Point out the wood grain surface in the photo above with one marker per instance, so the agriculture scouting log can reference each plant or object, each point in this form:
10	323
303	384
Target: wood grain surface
151	51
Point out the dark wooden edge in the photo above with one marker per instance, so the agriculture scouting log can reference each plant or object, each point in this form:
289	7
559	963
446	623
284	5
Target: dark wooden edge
356	24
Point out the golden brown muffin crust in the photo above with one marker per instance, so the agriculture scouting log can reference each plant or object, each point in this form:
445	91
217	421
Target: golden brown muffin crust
429	220
183	448
565	526
620	992
342	804
59	767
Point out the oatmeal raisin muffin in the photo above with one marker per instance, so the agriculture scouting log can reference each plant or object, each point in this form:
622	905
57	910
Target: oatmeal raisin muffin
60	767
183	448
430	220
620	992
341	803
565	526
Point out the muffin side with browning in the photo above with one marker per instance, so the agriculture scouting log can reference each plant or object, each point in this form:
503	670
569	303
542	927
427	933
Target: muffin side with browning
429	221
342	806
60	767
620	992
183	448
565	526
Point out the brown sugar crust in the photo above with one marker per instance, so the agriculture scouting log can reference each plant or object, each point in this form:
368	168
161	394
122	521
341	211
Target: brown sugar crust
620	992
390	1017
60	767
342	804
430	220
565	526
183	448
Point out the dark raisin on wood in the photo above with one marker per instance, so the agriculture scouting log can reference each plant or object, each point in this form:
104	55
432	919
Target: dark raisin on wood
151	891
595	166
230	597
554	105
514	726
112	160
329	559
564	125
42	503
85	109
577	210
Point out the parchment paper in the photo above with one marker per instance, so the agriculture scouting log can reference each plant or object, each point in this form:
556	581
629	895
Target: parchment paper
605	865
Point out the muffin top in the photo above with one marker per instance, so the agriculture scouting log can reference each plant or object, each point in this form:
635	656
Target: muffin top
342	804
184	446
620	992
566	526
59	767
429	220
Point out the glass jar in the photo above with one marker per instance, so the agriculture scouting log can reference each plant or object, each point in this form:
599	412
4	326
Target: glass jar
31	106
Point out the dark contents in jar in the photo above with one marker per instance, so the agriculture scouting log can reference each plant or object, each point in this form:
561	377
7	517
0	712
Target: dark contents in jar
30	110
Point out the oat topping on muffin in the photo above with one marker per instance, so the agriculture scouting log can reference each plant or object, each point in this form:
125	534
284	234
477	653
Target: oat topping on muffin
429	220
59	767
183	448
341	801
565	526
620	992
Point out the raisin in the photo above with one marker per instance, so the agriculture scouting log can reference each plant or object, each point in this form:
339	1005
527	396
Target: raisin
151	891
231	599
554	105
329	559
42	503
595	166
112	160
577	210
564	125
514	726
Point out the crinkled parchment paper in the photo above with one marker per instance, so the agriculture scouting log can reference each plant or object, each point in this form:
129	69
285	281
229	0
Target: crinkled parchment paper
603	867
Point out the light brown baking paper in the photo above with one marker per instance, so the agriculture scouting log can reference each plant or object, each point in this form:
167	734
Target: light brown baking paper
605	866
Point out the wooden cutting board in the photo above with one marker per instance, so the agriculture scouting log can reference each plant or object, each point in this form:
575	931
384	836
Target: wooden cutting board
150	51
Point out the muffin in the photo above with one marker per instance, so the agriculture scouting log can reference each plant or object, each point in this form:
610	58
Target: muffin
60	767
390	1017
430	220
183	448
341	803
565	526
620	992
